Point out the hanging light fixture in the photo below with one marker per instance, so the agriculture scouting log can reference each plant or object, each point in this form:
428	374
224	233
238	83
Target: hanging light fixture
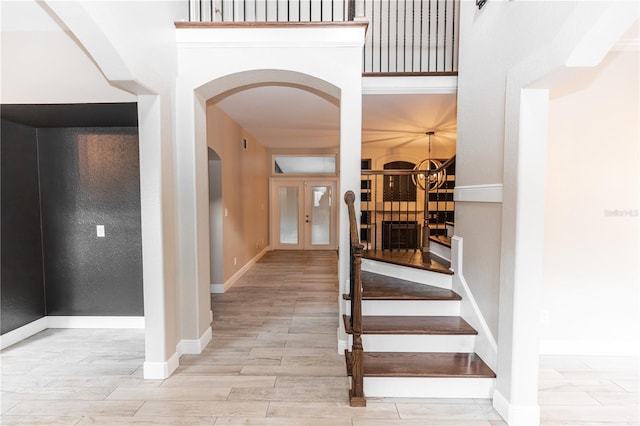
430	180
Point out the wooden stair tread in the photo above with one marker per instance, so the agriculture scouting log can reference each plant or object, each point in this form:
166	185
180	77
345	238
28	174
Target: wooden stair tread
411	258
425	325
423	364
441	239
382	287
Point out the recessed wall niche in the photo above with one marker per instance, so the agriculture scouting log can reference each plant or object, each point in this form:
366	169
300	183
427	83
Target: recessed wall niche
65	170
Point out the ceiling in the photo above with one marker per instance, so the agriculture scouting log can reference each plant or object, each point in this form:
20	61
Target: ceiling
286	117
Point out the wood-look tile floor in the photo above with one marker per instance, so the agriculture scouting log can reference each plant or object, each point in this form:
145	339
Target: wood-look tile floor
273	361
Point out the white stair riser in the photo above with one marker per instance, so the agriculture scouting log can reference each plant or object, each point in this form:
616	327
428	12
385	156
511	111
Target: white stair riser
420	276
409	308
440	250
416	343
428	387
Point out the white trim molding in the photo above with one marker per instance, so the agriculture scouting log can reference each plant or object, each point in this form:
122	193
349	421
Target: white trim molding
161	370
491	193
35	327
21	333
485	343
223	288
520	415
614	348
409	85
194	346
95	322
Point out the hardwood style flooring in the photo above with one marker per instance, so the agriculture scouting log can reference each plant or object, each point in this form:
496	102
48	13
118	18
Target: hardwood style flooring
273	361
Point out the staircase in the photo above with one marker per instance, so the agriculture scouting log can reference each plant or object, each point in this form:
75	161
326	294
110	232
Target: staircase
414	341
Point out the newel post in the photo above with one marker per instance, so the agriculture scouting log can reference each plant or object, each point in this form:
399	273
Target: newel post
356	394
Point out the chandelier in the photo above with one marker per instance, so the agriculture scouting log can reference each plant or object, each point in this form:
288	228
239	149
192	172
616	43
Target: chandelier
430	180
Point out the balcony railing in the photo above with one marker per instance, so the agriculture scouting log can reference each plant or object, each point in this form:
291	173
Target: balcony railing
404	36
403	210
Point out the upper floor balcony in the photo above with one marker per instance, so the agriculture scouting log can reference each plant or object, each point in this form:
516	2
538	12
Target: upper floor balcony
404	37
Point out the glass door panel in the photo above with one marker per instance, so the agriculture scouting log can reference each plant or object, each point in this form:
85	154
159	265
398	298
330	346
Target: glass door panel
303	215
289	214
320	215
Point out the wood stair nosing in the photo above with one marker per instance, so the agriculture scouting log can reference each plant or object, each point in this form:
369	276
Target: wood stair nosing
426	364
402	325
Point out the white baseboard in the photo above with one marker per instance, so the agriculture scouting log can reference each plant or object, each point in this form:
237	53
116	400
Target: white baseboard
161	370
342	346
21	333
223	288
516	415
343	339
195	346
44	323
94	322
614	348
217	289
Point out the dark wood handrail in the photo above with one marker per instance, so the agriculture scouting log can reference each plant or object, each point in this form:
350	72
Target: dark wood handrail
356	394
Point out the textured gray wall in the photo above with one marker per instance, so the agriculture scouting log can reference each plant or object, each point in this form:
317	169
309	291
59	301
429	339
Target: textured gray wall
57	185
89	177
22	285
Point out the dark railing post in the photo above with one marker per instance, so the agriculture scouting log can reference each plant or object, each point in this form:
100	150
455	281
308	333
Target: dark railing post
356	394
426	232
352	10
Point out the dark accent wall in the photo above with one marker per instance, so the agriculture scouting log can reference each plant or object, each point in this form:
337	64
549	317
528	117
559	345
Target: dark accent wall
21	281
57	184
89	177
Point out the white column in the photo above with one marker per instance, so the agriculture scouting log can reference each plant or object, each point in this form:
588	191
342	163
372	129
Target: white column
350	156
516	395
192	209
157	231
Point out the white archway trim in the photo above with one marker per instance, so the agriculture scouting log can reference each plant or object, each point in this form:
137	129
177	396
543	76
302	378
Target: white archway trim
213	61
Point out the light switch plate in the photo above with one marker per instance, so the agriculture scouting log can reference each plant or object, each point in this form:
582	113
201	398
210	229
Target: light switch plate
100	230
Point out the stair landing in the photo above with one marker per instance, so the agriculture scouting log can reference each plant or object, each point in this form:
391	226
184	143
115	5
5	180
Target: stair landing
412	258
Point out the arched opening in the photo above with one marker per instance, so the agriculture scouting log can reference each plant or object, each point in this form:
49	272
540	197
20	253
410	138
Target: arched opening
228	106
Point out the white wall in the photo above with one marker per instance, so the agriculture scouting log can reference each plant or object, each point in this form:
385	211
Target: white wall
245	191
113	51
590	301
48	66
506	49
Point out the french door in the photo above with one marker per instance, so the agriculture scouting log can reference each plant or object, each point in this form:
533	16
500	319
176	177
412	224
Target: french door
303	214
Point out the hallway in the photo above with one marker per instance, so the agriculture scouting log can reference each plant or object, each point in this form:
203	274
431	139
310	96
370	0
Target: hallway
273	360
